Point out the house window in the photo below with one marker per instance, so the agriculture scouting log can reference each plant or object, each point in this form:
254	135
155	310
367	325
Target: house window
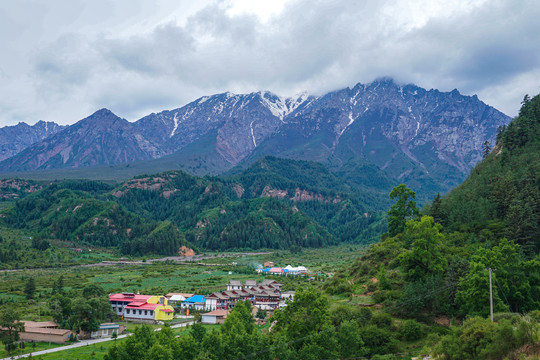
140	312
127	311
145	312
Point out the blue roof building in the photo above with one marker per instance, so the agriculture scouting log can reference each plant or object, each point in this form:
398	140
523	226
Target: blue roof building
194	302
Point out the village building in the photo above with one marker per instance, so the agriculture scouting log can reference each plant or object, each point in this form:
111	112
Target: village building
175	298
272	284
234	285
120	301
250	284
214	317
44	331
216	301
296	270
288	270
265	295
107	330
195	302
144	308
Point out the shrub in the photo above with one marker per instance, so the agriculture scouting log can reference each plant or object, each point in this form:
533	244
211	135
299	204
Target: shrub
411	330
382	320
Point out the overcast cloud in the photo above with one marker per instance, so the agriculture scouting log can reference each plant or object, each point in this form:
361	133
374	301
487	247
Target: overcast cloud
62	60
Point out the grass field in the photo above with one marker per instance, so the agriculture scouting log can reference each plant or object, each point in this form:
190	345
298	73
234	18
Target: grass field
29	348
98	351
175	277
89	352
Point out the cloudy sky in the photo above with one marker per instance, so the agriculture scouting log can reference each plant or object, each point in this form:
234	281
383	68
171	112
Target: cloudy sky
63	59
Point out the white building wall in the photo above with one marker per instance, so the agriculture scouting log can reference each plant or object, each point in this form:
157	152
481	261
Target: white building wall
139	314
209	319
210	304
197	306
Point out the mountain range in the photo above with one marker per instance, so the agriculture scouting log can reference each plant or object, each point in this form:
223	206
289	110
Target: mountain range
425	138
14	139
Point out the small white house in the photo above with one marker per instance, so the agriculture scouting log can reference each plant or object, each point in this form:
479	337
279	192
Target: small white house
175	298
107	329
234	285
214	317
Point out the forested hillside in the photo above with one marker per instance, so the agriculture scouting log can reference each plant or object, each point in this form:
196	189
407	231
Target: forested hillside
501	197
276	203
77	212
434	265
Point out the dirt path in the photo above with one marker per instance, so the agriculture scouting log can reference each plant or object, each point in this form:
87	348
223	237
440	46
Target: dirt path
176	259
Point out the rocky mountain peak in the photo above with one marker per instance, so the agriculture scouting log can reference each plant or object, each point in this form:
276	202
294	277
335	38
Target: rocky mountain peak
101	121
415	135
14	139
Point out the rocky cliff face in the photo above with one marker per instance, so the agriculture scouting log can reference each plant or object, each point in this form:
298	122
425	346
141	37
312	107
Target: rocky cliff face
239	122
415	135
14	139
421	137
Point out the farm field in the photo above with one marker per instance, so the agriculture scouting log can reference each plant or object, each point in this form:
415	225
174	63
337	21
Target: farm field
203	277
159	277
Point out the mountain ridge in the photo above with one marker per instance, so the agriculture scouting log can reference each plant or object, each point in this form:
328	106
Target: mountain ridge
423	137
16	138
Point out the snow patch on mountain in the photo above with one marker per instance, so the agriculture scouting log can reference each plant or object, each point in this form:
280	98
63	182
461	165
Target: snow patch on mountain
252	135
280	106
175	120
351	120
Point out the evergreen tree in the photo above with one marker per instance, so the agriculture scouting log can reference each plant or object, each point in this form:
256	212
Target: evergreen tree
486	149
404	209
58	286
435	210
30	288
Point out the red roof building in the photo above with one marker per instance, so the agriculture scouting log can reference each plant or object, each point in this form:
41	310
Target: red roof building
141	307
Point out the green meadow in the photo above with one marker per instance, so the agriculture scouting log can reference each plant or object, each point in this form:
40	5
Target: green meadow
202	277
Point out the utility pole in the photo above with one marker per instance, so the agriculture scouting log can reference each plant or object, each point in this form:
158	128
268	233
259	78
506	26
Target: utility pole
490	295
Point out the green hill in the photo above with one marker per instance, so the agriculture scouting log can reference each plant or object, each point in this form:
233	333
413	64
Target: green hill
501	197
275	203
220	213
77	212
436	265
